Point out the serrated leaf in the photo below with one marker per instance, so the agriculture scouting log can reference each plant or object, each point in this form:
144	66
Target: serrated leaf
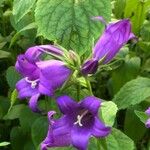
69	21
4	143
118	140
21	8
133	92
142	116
108	111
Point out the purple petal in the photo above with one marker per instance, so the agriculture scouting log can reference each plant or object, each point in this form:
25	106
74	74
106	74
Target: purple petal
33	54
80	137
114	37
148	111
24	89
49	91
91	103
33	102
52	49
148	123
26	68
58	134
53	74
100	18
66	104
132	36
89	67
99	129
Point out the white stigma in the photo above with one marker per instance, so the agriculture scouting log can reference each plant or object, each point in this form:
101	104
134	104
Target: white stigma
79	118
33	83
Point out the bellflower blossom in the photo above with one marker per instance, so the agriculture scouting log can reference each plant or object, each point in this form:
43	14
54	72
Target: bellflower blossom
31	67
114	37
79	122
148	121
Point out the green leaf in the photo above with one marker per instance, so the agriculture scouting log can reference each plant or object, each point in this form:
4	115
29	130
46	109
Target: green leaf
136	10
4	106
69	21
39	130
4	54
27	118
28	27
133	92
108	111
15	111
21	8
145	31
13	98
142	116
131	124
4	144
119	8
17	138
12	77
118	140
129	70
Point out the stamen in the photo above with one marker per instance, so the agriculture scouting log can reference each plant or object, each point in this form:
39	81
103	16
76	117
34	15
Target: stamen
33	83
79	118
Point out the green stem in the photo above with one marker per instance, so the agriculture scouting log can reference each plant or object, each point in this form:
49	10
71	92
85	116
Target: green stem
88	85
98	144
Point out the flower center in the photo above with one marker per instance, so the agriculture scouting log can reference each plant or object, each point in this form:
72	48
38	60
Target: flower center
79	118
32	82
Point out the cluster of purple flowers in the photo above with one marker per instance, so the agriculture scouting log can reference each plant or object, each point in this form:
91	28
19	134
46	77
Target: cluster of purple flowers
148	121
80	120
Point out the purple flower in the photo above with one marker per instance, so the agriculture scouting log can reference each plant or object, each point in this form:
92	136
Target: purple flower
53	73
79	122
148	111
114	37
34	82
148	121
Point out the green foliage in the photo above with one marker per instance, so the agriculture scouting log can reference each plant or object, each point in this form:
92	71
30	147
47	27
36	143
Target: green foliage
131	124
117	140
142	116
4	54
119	7
40	125
124	82
127	71
70	22
139	90
12	77
108	111
21	8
